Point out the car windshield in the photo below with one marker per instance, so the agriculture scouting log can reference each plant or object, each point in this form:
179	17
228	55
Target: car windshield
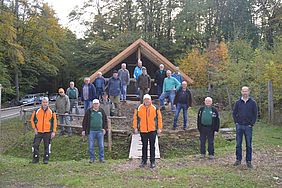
28	97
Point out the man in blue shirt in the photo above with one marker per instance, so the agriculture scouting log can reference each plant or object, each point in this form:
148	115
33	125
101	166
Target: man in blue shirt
115	87
182	100
100	83
88	93
177	75
245	116
137	72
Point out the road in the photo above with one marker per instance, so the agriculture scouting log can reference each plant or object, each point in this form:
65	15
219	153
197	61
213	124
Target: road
8	113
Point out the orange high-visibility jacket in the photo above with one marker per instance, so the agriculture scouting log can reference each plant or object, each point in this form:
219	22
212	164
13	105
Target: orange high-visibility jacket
147	119
44	121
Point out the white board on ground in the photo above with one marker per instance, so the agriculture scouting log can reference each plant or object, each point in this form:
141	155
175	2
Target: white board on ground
136	147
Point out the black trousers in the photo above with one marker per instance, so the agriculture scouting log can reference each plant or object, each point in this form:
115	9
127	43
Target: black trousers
207	133
151	136
37	140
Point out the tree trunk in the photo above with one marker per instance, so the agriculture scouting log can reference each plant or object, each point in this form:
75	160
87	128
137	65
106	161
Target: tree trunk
270	103
17	84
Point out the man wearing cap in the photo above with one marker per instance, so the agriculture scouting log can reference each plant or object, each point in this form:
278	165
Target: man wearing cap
144	83
100	84
62	107
148	120
94	125
124	76
88	93
44	123
114	87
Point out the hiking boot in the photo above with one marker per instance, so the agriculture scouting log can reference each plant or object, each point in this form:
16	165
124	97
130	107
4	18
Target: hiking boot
91	161
102	161
237	163
184	128
211	157
35	160
202	156
249	164
174	128
45	161
143	164
153	165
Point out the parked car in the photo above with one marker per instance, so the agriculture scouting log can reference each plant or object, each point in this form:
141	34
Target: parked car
28	99
53	96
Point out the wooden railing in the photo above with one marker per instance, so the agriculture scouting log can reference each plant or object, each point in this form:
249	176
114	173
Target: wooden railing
27	123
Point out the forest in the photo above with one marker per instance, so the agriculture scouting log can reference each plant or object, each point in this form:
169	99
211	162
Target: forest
221	44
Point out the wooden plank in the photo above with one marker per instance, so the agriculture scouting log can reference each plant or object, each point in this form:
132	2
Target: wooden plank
136	148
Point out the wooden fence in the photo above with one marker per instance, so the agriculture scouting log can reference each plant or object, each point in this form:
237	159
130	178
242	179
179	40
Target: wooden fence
27	123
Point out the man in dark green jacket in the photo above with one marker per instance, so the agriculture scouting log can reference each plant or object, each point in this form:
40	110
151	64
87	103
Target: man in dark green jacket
208	122
95	125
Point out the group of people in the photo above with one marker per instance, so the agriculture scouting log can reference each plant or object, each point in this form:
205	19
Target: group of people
147	118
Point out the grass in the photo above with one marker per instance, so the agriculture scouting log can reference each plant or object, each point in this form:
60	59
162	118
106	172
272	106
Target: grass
69	165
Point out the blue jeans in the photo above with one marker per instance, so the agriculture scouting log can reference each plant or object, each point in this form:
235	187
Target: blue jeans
91	139
87	104
99	92
245	130
180	106
159	90
123	93
170	95
206	133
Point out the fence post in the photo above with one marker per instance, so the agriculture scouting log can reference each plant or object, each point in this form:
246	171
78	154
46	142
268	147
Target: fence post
270	102
109	135
0	103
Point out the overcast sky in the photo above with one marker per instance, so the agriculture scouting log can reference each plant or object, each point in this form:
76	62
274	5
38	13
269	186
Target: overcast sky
62	9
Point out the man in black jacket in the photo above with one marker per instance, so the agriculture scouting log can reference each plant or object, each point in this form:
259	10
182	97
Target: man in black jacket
159	79
182	100
95	125
245	116
208	122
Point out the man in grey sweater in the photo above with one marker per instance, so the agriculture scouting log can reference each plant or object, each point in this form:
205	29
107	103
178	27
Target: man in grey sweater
124	76
62	106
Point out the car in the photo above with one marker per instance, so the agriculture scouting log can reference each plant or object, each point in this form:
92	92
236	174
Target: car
28	99
53	96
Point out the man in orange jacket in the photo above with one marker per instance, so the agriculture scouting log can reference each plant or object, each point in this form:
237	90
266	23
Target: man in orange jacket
148	119
44	123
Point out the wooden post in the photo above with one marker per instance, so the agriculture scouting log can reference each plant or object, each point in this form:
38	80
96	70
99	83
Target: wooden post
139	54
25	122
109	135
270	102
0	103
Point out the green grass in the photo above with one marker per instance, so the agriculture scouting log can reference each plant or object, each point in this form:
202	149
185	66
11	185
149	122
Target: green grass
69	165
17	171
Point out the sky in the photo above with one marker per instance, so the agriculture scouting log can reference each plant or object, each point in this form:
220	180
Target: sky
62	9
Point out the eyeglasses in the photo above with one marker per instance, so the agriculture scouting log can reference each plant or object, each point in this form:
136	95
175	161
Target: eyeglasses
61	92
